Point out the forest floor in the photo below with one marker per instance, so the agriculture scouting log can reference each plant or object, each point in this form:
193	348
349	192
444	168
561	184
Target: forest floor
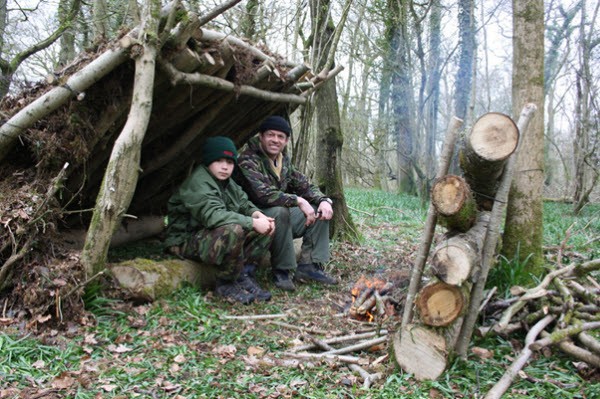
194	345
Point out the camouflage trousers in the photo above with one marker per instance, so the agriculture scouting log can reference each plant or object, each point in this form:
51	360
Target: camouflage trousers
228	247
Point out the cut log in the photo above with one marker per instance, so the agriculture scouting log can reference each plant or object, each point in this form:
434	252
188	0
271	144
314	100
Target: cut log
493	138
439	304
454	203
420	351
148	280
456	257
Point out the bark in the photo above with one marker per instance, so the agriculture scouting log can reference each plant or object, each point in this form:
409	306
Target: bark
456	257
492	139
99	20
491	240
433	85
122	171
67	39
453	201
464	75
248	22
524	229
330	137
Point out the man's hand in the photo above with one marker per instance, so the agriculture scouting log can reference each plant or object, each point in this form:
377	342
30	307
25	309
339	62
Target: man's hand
325	211
308	211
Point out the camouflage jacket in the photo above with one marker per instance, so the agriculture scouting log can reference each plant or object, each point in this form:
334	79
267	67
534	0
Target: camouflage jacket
203	201
264	188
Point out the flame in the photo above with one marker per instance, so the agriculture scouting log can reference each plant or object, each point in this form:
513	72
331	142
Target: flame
361	284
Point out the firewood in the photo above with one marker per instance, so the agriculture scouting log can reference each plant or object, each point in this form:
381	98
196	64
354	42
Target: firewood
492	139
455	258
360	299
358	347
589	342
569	347
559	335
502	385
366	306
379	304
420	351
340	339
439	304
427	236
454	203
322	356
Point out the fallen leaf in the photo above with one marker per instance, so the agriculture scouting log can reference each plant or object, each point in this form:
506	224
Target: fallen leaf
179	359
256	351
64	381
482	353
119	349
40	364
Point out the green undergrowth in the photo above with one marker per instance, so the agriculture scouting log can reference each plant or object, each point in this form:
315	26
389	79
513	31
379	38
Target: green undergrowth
182	346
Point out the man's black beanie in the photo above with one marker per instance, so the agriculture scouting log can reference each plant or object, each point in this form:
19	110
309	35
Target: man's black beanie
218	147
275	123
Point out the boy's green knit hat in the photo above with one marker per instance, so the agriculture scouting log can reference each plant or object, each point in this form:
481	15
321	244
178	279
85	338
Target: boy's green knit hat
218	147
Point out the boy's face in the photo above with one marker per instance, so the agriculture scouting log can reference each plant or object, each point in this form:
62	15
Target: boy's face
222	168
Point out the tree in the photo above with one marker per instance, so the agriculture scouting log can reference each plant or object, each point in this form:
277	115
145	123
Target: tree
8	67
523	234
329	133
464	75
585	146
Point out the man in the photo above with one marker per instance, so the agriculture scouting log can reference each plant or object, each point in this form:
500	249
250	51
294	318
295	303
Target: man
211	220
299	208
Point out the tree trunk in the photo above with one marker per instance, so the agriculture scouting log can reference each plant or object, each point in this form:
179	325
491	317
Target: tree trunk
122	171
464	75
329	132
524	229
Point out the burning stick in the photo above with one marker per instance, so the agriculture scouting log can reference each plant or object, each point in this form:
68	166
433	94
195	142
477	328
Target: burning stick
379	304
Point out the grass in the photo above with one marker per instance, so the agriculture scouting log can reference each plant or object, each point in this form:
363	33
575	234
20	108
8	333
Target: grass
181	347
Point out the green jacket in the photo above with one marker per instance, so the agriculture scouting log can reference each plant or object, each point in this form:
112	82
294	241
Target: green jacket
265	189
202	201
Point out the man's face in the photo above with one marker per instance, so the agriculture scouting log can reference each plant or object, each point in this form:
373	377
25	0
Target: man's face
222	168
273	142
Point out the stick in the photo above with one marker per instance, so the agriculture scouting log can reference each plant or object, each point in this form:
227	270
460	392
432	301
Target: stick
487	299
302	329
427	237
379	305
256	317
323	356
368	379
502	385
491	238
577	352
358	347
344	338
559	335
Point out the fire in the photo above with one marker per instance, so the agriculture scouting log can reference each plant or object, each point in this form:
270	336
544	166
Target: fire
364	297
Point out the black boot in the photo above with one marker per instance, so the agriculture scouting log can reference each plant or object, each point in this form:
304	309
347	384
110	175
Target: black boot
313	272
282	280
233	290
248	282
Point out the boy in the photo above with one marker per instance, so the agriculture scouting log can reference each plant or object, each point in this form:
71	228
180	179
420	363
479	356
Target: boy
211	220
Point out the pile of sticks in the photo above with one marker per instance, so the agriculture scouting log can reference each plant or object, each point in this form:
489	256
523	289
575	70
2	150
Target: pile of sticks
559	311
329	349
371	299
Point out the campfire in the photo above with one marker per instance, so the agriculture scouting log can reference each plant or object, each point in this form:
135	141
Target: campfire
371	299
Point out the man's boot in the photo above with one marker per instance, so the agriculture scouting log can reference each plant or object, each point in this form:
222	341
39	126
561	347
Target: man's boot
248	282
282	280
307	272
233	290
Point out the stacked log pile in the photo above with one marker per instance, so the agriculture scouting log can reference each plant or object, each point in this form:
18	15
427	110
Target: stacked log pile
461	205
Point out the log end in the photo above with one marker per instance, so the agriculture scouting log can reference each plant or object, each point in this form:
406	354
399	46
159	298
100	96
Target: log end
439	304
420	351
494	136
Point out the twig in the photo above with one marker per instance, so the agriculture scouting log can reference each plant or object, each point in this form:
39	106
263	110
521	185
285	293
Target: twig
359	211
301	329
86	282
340	339
359	346
487	299
322	356
368	378
577	352
256	317
502	385
559	335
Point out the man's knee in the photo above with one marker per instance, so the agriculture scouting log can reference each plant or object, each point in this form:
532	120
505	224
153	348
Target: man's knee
280	214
